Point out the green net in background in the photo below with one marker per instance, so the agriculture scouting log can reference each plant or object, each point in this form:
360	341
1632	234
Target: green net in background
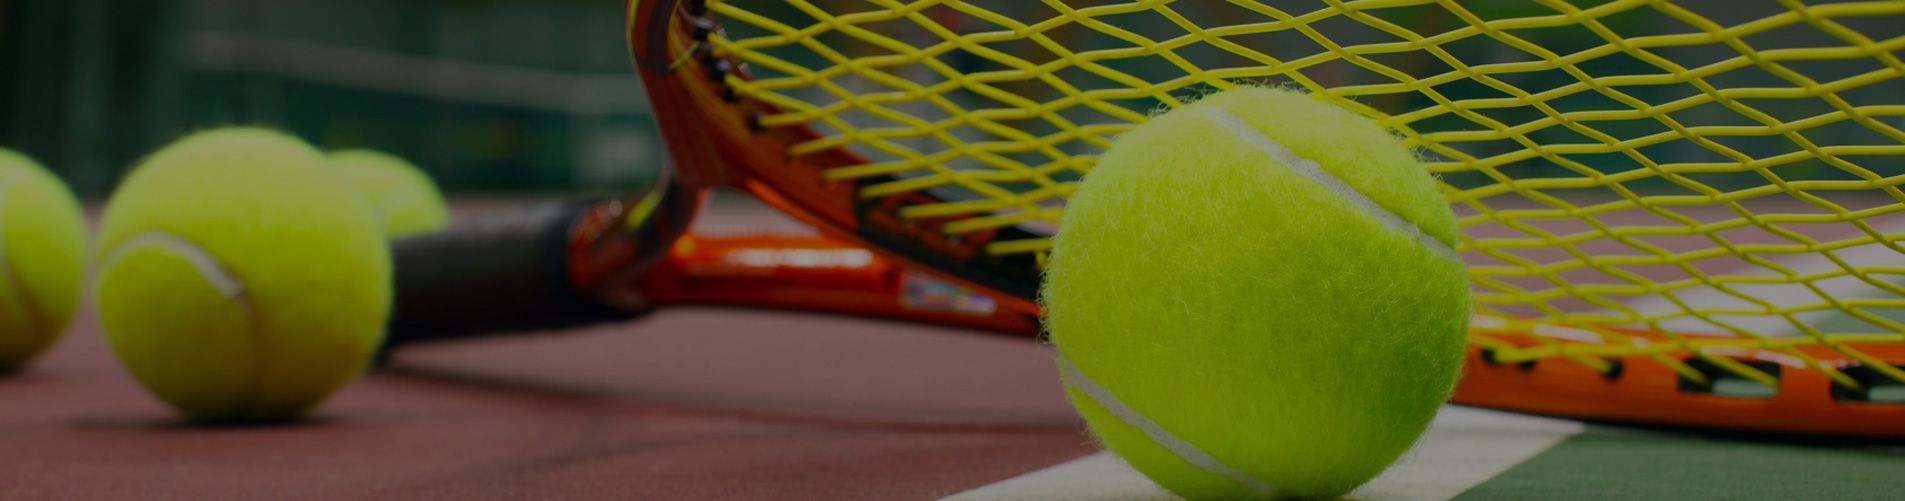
490	96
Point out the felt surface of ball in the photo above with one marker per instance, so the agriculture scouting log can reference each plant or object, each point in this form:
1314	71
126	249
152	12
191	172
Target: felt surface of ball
240	278
42	258
405	198
1256	295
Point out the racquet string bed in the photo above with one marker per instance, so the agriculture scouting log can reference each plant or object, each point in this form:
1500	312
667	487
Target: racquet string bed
1711	186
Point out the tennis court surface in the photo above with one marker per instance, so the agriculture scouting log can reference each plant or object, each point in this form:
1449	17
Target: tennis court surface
696	403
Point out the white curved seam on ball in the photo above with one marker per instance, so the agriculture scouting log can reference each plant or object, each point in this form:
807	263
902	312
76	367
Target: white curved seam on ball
1184	450
208	267
1315	172
215	274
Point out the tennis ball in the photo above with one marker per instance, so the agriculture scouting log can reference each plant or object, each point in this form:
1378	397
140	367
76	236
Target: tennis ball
242	279
42	258
1255	295
403	196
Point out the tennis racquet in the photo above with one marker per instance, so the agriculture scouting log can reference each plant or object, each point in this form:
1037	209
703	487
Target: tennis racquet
1683	213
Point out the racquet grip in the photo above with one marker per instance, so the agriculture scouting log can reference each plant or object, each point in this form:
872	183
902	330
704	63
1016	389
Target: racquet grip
505	272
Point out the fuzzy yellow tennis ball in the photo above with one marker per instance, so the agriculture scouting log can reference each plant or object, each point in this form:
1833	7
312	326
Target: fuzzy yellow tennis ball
241	279
1256	296
403	196
42	258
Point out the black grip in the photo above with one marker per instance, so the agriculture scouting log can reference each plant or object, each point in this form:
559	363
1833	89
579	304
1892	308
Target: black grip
500	273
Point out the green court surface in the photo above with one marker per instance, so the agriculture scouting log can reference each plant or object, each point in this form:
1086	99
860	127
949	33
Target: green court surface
1480	454
1616	463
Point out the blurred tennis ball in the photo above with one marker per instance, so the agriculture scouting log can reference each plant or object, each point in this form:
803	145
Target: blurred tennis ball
1256	296
403	196
241	279
42	258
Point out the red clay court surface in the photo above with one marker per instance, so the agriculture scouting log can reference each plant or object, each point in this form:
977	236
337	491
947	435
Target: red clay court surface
684	404
688	404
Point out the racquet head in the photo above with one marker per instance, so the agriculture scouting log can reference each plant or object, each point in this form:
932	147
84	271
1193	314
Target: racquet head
1679	213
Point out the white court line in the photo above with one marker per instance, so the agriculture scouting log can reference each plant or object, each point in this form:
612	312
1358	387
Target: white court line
1098	476
1462	448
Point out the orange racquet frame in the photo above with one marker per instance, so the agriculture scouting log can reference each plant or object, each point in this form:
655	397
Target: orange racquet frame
716	140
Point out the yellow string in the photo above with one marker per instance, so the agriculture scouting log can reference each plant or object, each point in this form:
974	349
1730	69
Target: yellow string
1738	168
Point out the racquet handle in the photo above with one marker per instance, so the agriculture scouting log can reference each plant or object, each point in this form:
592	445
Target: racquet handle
506	272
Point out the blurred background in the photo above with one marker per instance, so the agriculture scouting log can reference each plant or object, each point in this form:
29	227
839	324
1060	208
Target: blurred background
490	96
514	97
